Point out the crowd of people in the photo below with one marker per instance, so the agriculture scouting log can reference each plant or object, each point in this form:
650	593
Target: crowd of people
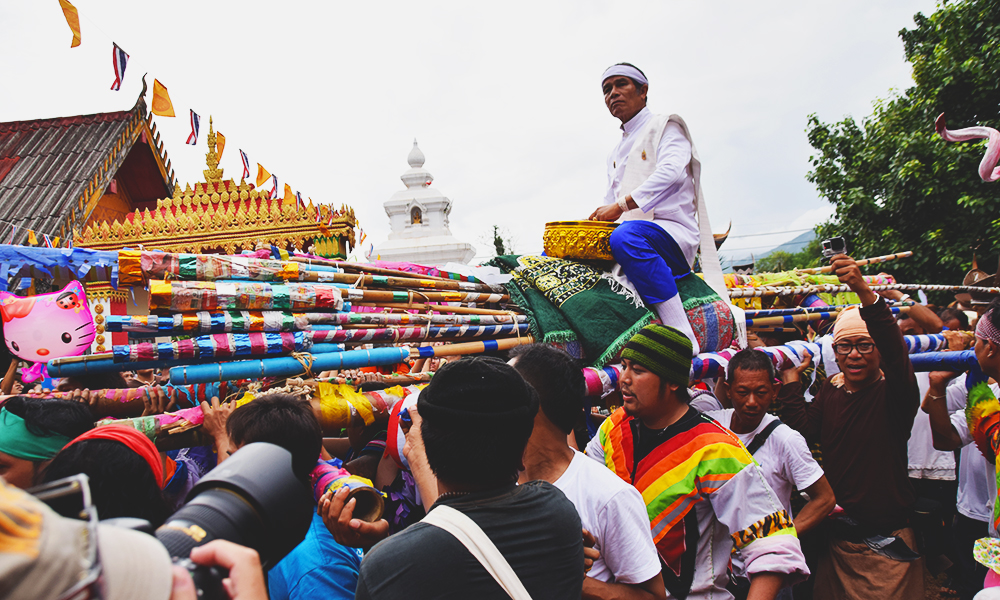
682	492
823	479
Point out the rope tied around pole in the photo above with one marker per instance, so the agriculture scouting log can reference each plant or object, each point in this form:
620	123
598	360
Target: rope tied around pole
306	360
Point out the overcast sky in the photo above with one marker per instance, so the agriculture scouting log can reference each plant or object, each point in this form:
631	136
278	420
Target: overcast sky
504	98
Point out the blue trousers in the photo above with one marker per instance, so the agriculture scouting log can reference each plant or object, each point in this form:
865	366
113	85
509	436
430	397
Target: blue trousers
650	258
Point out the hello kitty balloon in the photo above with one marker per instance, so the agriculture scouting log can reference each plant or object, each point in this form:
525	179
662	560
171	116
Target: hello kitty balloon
40	328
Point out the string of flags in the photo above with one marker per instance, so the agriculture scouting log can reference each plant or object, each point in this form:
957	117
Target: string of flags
162	106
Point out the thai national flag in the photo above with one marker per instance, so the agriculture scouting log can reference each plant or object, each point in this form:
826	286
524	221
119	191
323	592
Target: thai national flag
48	242
13	232
195	120
274	192
120	58
246	164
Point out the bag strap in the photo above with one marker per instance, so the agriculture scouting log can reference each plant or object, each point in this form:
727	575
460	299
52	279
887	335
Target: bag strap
478	543
759	439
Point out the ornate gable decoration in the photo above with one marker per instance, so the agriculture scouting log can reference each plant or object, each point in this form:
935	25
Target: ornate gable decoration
220	215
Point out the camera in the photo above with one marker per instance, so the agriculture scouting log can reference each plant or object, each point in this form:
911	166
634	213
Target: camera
252	499
834	246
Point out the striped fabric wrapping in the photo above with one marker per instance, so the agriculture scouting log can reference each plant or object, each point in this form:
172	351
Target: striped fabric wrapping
601	382
193	296
709	365
358	295
213	322
675	476
217	346
397	334
424	319
137	266
925	343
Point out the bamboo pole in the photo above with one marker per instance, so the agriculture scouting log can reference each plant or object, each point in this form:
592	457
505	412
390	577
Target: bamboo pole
837	289
865	261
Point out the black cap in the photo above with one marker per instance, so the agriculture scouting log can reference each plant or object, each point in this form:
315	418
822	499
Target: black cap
477	391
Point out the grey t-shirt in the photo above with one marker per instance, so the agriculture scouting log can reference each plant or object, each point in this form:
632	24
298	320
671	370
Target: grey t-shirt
534	526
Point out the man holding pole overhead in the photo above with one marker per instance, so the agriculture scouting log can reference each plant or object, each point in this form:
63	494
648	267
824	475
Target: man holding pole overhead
653	188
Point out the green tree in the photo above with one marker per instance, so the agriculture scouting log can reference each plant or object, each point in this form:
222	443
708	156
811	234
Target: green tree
501	240
895	183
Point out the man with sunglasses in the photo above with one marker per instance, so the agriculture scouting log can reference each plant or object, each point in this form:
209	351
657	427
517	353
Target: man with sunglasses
862	418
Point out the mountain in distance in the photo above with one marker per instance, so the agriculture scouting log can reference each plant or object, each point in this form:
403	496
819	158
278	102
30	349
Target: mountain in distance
742	257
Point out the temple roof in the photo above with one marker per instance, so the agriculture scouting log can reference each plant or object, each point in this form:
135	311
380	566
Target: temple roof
54	171
219	215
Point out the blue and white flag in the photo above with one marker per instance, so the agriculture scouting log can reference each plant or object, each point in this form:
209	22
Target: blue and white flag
120	58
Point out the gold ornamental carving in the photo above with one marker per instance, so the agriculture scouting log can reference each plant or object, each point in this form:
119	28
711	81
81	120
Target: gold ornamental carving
579	240
219	214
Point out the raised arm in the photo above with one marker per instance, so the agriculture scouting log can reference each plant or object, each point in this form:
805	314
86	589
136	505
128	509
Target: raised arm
806	418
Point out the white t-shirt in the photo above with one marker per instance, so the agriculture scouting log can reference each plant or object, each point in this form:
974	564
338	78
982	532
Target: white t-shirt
924	461
976	478
614	512
784	458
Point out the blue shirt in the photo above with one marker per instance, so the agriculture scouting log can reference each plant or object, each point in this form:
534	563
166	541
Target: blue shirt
319	567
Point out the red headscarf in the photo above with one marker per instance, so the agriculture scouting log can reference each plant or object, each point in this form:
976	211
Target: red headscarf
136	442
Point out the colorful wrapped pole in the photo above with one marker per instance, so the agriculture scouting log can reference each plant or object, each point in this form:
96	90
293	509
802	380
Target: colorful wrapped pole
193	296
220	345
401	334
140	266
350	359
277	321
335	406
788	319
129	402
137	267
287	366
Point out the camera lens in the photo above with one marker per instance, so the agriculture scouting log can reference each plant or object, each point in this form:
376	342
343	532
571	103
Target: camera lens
252	499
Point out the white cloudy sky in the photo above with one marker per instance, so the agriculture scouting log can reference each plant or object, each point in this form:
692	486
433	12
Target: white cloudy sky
504	98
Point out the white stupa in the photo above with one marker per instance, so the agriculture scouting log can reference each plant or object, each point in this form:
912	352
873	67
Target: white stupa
418	216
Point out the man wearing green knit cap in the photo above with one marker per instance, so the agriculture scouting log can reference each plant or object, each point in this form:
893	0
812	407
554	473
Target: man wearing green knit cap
33	431
704	494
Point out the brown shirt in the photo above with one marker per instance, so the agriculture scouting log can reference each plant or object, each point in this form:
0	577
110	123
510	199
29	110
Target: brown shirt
863	435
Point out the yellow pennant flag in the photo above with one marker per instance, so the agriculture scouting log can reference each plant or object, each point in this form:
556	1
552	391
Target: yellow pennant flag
262	175
161	106
55	242
220	143
31	238
73	20
289	195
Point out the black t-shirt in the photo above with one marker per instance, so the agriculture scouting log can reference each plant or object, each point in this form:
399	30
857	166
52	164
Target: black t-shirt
535	527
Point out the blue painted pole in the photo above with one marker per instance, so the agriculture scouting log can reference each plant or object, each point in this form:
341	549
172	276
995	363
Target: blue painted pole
286	366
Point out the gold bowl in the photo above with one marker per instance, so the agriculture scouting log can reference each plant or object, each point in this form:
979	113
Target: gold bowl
579	240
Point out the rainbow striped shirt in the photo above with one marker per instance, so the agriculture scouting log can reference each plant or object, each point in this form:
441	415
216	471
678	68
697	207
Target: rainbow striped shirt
692	465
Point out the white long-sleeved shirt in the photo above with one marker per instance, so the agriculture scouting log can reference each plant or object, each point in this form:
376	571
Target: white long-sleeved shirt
669	192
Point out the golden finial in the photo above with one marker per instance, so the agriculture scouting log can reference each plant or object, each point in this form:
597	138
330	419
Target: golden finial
213	174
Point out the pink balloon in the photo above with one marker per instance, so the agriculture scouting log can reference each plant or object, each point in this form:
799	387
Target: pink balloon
40	328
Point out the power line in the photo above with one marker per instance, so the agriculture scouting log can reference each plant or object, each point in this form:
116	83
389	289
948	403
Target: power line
769	233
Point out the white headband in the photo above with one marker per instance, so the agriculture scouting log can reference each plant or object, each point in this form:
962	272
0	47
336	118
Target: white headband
626	70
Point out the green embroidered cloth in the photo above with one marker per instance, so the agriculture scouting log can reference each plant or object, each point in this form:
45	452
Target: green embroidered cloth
570	301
